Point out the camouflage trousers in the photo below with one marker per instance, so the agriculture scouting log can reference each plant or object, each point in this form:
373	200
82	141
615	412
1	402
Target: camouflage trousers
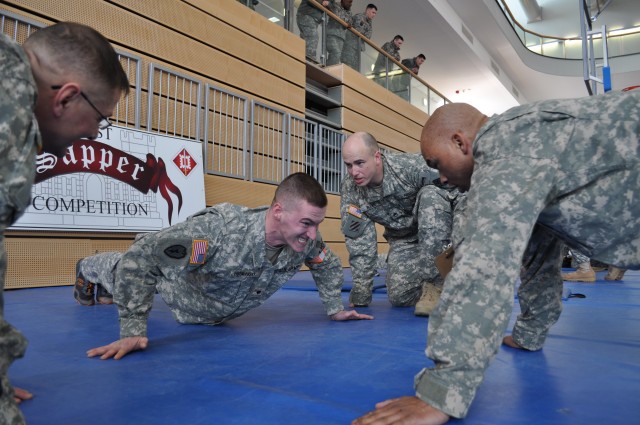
579	258
308	26
12	346
411	261
540	293
100	268
335	44
351	51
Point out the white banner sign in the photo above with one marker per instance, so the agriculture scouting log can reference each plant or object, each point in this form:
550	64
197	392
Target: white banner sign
125	181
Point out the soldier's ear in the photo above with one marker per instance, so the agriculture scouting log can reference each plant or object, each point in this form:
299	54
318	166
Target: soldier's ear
462	142
277	210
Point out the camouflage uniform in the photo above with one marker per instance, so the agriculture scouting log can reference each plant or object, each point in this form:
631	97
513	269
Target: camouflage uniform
400	83
336	33
561	169
308	17
351	49
579	258
19	141
417	214
389	47
231	277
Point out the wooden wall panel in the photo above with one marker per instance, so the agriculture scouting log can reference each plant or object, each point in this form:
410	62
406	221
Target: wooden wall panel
379	113
56	259
385	135
283	85
222	43
377	93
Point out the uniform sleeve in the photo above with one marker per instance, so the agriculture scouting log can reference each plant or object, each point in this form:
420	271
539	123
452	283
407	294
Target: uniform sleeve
326	270
362	246
368	33
466	330
157	256
18	132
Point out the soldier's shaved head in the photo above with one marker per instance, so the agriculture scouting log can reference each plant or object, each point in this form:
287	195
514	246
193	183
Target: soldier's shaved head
447	142
361	155
300	186
362	139
451	118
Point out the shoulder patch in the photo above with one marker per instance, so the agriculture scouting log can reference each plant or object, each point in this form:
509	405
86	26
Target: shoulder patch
176	251
319	258
354	211
198	251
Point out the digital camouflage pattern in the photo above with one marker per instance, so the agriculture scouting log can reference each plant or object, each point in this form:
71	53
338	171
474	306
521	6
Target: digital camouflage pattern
336	33
381	60
19	140
561	169
352	47
230	277
417	216
308	17
579	258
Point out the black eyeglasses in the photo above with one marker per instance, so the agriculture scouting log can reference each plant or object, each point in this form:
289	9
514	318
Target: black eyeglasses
104	121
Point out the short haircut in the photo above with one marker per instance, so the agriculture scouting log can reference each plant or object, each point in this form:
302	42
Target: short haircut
372	6
80	50
370	142
398	37
300	186
421	56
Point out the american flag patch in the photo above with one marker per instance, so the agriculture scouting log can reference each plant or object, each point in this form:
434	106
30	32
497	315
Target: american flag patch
198	251
354	211
320	258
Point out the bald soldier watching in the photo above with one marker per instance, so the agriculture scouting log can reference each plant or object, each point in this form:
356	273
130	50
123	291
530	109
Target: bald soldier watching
60	86
401	193
539	176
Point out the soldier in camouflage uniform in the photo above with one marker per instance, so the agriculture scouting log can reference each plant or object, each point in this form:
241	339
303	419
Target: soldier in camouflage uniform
400	192
308	17
540	174
220	263
393	48
363	23
35	116
336	32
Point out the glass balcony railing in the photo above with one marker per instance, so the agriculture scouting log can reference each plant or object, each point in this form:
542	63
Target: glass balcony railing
336	43
620	42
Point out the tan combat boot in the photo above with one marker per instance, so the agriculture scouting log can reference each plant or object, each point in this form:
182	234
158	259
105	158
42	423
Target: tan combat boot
428	300
584	273
615	273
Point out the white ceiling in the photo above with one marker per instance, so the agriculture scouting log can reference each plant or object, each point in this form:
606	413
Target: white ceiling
465	71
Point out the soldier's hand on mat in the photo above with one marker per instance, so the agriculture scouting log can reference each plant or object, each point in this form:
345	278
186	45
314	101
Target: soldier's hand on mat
20	394
403	410
120	348
350	315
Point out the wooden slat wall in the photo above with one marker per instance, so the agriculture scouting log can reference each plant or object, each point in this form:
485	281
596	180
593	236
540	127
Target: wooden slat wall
368	106
219	42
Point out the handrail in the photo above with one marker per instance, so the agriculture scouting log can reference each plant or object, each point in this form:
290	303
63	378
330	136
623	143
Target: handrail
505	7
370	43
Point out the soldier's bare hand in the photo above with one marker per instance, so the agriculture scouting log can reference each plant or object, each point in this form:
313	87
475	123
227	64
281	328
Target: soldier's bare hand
403	411
350	315
20	394
120	348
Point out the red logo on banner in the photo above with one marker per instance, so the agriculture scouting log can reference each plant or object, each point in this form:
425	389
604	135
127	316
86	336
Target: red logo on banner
185	162
88	156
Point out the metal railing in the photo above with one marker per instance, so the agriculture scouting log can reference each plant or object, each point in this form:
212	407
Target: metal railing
390	73
241	139
621	42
